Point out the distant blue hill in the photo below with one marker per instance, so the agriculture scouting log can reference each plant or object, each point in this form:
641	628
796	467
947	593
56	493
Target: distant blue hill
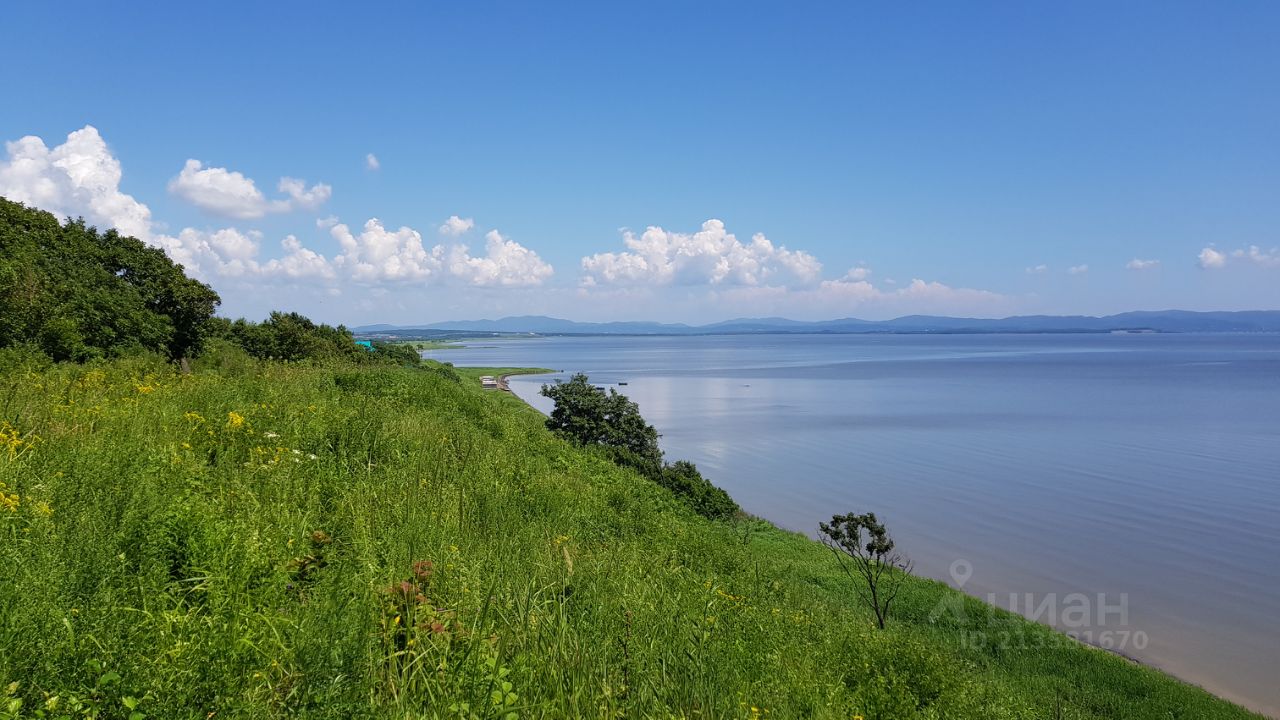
1166	321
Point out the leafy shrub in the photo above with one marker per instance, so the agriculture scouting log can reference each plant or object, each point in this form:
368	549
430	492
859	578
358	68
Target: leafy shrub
683	479
590	416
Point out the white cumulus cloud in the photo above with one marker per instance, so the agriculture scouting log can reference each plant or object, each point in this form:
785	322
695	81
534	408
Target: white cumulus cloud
1140	264
505	263
1037	270
1077	269
456	226
1210	259
371	162
299	262
301	196
378	254
231	194
80	177
710	256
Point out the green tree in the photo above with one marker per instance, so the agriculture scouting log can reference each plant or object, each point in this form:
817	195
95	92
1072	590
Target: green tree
866	553
78	293
590	416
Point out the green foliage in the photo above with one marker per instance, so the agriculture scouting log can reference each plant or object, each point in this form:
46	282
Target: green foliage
80	294
862	545
293	337
236	542
396	353
590	416
683	479
290	337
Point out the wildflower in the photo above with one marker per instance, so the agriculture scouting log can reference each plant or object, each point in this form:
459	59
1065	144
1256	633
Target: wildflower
13	441
194	416
143	389
235	420
422	569
270	435
8	501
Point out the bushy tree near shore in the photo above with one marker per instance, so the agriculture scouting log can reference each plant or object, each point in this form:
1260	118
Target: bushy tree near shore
591	416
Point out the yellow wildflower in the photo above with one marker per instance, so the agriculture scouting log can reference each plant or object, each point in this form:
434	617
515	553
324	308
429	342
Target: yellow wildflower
235	420
13	442
143	389
194	416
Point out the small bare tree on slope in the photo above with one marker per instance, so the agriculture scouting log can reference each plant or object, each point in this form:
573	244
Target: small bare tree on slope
865	552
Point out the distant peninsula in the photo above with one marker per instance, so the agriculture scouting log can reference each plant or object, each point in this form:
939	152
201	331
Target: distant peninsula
1160	321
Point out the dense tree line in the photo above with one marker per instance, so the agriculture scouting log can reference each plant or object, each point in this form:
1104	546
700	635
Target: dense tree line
293	337
590	416
75	293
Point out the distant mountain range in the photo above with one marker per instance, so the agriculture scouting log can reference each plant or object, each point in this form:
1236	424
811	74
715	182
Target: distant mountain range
1165	321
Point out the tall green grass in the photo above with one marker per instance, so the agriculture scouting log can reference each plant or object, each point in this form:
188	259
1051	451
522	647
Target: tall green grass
258	541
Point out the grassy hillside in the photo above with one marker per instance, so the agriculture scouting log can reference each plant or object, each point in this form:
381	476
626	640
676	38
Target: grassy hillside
257	540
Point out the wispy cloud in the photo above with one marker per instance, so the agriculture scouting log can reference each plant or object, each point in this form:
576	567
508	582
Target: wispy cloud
229	193
1140	264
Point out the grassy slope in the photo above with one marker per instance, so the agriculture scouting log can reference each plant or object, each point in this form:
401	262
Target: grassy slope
166	552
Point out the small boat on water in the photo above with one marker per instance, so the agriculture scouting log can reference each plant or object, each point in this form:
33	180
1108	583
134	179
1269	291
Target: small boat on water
621	382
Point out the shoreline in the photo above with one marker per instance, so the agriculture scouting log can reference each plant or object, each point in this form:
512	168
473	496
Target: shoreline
1229	697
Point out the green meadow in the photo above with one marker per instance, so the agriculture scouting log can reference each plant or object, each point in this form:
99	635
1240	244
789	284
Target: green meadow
262	539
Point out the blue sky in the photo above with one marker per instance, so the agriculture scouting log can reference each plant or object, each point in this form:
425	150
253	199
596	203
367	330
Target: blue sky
942	158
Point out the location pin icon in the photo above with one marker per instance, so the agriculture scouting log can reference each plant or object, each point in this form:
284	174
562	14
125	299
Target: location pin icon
961	571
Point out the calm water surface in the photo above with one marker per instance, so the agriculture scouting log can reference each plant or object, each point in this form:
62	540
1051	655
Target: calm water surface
1142	467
